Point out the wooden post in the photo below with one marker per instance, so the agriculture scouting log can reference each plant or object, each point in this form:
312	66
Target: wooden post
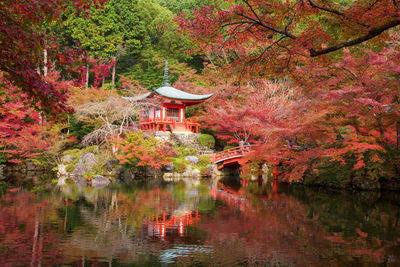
45	62
113	71
87	74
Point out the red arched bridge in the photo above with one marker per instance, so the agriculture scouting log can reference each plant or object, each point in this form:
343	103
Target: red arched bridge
231	156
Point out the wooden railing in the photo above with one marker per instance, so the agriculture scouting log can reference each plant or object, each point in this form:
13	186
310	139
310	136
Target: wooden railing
157	124
231	153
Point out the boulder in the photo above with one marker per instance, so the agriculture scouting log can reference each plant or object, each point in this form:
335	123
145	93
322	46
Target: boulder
196	173
100	181
362	183
79	179
192	159
111	163
84	164
89	159
188	171
169	168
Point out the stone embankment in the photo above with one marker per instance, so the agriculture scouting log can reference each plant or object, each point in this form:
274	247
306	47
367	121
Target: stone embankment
26	170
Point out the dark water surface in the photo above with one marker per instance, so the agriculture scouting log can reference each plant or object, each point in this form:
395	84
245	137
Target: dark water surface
197	223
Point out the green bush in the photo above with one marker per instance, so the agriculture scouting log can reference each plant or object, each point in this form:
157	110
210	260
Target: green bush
186	151
180	165
3	158
206	140
79	128
204	161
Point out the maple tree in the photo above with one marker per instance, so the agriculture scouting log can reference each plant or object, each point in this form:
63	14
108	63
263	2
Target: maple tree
343	103
23	39
138	150
263	36
20	132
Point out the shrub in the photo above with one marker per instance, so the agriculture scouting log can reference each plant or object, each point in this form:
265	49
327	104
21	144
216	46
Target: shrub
206	140
186	151
205	172
179	166
137	150
70	168
204	161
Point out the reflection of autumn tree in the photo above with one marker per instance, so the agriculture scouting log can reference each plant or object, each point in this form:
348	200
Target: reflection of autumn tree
23	234
297	227
290	230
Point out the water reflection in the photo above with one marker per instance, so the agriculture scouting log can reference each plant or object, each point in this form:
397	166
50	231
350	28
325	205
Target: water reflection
192	222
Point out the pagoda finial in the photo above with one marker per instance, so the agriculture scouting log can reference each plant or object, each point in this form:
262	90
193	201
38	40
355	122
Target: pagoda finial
166	83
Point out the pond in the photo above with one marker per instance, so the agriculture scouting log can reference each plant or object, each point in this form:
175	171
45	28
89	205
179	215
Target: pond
198	223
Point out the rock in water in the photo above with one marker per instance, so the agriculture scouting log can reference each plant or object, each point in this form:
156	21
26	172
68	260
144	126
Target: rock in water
169	168
100	181
84	164
196	173
111	164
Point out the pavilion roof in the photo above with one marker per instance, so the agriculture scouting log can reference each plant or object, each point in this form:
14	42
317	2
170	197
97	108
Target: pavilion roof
166	90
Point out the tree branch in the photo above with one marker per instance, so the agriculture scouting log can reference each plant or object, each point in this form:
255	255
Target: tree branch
333	11
262	24
371	34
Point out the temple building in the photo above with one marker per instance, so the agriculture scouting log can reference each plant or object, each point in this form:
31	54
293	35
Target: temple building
170	114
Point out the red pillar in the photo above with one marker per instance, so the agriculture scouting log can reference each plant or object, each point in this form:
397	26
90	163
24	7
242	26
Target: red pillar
275	172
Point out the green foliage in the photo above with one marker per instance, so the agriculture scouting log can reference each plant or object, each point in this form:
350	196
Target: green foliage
206	140
204	161
70	167
331	174
78	128
180	164
3	158
107	31
74	153
186	151
187	6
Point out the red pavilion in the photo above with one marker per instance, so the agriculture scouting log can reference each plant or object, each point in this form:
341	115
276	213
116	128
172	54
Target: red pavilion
170	115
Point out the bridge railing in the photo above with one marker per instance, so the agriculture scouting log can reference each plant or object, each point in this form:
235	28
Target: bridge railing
232	152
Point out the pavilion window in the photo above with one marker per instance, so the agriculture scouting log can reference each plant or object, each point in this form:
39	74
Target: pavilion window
145	115
173	113
158	112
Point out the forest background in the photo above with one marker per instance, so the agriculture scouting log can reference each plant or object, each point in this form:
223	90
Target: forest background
314	83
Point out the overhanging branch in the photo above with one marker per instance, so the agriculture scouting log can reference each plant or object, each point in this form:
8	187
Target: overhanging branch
371	34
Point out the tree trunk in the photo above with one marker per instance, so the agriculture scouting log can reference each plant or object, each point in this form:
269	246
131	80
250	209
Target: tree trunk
38	70
397	135
45	62
102	83
87	75
69	126
113	71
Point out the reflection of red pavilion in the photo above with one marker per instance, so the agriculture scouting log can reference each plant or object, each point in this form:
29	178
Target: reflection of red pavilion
160	226
170	115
